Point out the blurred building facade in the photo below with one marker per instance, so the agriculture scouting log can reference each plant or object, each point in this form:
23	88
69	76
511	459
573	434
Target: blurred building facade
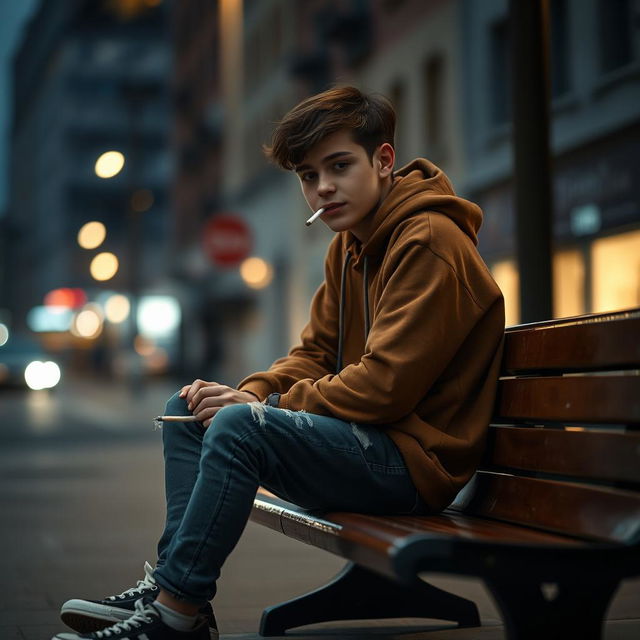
595	142
270	54
94	75
89	77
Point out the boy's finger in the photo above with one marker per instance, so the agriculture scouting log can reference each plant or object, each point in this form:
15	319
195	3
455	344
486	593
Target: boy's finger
210	391
184	390
193	389
208	399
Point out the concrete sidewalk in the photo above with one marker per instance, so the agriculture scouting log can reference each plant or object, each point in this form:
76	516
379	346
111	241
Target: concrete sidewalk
80	518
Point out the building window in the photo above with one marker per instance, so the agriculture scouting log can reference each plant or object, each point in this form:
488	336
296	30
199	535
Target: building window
500	55
568	283
615	266
434	100
604	276
506	276
616	27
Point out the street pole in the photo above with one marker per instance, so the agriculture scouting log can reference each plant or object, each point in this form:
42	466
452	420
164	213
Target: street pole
529	44
135	95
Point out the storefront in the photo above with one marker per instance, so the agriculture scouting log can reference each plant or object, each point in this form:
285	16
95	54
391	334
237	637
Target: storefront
596	262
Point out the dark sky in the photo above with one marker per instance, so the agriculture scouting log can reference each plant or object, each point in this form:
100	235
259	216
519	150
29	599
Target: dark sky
13	18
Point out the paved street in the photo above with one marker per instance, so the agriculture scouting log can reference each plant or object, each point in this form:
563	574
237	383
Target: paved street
81	506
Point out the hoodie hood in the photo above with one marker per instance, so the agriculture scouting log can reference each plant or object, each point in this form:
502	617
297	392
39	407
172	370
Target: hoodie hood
419	186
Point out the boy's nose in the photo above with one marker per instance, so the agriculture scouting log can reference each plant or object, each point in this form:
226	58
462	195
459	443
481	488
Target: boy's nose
325	187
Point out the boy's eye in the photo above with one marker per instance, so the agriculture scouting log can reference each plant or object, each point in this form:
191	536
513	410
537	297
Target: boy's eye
340	166
307	176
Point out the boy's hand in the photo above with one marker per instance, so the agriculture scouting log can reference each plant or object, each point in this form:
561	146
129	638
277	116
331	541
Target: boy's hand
205	399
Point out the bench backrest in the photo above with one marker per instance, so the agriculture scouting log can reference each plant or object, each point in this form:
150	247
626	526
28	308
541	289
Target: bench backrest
563	453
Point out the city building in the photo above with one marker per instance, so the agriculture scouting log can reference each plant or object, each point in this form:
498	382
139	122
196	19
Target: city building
89	78
595	144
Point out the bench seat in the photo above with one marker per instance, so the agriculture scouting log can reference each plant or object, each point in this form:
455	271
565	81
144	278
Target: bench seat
550	522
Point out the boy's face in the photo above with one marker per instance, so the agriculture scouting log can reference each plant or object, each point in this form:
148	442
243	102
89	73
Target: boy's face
338	175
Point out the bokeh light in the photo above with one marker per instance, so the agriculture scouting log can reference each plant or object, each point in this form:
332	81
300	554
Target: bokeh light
66	298
92	235
42	375
117	308
158	316
87	323
143	346
104	266
109	164
4	334
256	272
45	319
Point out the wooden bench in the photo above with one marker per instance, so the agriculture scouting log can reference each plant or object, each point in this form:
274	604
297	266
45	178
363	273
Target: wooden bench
550	522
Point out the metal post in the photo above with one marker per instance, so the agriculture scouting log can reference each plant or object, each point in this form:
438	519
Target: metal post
529	37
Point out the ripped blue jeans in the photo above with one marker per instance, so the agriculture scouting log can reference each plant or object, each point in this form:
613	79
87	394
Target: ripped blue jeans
212	475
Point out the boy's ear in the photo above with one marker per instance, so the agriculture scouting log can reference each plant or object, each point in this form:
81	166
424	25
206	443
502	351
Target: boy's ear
385	159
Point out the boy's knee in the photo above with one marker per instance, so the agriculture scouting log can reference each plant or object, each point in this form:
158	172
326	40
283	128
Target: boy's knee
230	422
232	417
176	406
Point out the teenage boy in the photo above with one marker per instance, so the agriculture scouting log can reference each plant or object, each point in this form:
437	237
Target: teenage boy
382	408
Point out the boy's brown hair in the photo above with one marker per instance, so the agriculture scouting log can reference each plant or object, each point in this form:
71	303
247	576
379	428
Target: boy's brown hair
370	118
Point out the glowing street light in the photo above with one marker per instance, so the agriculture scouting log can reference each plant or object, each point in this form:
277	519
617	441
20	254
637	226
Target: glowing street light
104	266
256	272
4	334
87	323
109	164
117	308
92	235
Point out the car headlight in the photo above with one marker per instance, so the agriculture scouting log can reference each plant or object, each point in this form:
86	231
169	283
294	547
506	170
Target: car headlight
42	375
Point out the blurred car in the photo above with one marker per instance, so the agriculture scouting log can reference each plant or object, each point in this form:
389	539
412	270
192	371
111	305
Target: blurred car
23	363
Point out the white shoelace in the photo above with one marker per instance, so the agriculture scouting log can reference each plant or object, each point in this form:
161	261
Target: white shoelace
143	613
142	585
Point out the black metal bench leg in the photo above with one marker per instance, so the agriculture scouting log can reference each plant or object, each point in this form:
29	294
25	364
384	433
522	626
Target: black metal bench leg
554	610
358	594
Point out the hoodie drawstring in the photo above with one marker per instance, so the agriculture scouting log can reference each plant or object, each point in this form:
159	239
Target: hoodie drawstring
343	295
343	280
365	280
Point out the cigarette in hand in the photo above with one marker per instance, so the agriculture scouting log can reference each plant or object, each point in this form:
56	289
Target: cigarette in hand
317	214
159	420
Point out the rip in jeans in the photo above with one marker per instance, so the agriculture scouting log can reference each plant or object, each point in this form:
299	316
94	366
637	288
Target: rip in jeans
297	417
362	436
258	411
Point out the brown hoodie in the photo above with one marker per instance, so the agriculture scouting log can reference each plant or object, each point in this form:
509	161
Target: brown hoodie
427	367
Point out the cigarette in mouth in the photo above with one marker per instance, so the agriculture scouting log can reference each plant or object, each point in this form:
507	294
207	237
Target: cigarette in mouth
317	214
175	419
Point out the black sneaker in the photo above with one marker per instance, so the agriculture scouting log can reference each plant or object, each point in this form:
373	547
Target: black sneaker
86	616
144	623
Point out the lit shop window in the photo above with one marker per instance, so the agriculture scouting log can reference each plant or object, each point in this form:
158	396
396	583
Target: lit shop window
505	274
568	283
616	272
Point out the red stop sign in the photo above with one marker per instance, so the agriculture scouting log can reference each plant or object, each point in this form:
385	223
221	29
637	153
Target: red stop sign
226	240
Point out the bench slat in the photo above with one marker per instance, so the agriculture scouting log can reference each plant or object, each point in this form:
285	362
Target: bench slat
597	455
607	399
585	511
599	342
448	523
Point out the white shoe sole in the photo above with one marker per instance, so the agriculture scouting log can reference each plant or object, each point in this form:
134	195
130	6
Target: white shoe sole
85	617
